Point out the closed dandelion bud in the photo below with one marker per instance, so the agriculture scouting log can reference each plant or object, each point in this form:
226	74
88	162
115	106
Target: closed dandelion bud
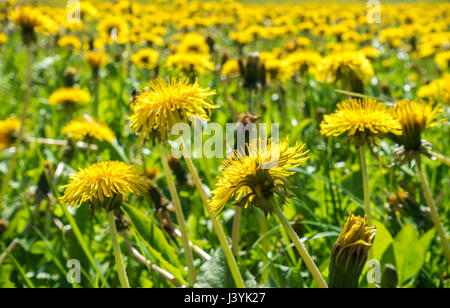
178	170
389	278
350	252
43	187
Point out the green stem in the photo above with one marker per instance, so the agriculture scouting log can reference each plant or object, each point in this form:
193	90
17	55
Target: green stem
179	214
433	209
217	226
235	231
365	175
441	157
117	253
300	247
26	103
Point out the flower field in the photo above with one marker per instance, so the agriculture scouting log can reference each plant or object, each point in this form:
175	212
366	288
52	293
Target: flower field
224	144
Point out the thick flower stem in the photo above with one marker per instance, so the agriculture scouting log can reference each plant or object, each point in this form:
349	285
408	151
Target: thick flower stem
26	103
365	176
117	253
217	226
433	210
235	231
179	214
440	157
300	247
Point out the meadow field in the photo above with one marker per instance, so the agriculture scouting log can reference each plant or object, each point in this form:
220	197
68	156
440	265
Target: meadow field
224	144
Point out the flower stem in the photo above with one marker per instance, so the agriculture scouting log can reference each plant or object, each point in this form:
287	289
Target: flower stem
365	175
433	209
300	247
26	103
235	230
217	226
179	214
117	253
440	157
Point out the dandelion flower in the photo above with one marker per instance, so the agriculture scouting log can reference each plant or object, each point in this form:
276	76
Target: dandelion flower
191	63
437	90
3	38
69	42
361	120
253	179
8	129
104	184
168	103
28	19
146	58
414	118
69	97
84	129
350	253
96	59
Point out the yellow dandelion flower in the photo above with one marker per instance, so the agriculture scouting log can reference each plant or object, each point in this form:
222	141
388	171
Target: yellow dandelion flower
146	58
69	42
3	39
114	30
8	129
253	179
87	129
190	63
303	60
96	59
414	118
345	65
104	185
193	43
436	90
27	17
362	120
231	68
69	97
443	59
168	103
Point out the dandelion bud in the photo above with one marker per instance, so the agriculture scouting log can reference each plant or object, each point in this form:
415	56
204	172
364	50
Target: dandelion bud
350	252
4	225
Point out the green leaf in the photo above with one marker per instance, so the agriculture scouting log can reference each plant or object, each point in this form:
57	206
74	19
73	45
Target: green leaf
409	255
382	240
285	277
216	274
426	239
153	235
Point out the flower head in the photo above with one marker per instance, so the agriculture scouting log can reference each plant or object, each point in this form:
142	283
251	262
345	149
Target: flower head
349	253
28	19
3	38
362	120
168	103
69	42
191	63
254	178
85	129
8	128
96	59
69	97
414	118
437	90
104	185
146	58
